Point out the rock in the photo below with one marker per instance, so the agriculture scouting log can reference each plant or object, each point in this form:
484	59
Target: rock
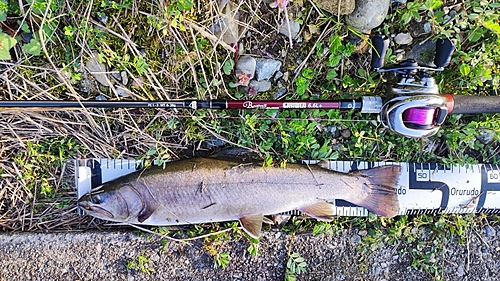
278	75
355	238
124	77
490	231
368	14
116	74
265	68
214	142
485	137
246	65
403	39
294	28
122	92
427	28
346	133
103	18
460	270
376	269
420	53
101	97
261	86
98	70
227	26
334	131
337	7
399	2
280	93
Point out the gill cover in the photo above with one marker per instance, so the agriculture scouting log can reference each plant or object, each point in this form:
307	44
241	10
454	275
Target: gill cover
121	204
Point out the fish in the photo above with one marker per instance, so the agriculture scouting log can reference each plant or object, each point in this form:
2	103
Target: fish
204	190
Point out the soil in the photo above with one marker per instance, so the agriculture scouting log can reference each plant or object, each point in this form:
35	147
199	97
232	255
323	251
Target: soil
104	255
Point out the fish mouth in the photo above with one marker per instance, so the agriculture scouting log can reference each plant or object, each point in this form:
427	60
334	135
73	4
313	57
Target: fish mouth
92	208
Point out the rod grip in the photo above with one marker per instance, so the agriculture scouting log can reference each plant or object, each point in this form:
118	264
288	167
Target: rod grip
475	104
381	44
444	50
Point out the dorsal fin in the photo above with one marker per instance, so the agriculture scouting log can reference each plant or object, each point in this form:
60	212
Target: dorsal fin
252	224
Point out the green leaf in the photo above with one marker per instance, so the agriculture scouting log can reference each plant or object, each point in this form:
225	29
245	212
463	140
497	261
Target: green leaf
3	10
476	35
228	66
464	69
331	74
6	43
493	26
33	47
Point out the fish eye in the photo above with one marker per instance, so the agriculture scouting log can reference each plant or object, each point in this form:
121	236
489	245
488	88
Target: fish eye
96	199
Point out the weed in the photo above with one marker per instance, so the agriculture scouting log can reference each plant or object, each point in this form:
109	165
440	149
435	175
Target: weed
40	157
294	266
213	246
141	263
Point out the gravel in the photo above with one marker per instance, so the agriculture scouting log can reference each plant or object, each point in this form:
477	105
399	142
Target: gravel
103	255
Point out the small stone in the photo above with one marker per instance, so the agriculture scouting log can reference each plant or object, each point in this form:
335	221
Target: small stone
485	137
124	76
103	18
334	131
368	14
246	65
427	28
286	76
116	74
214	142
98	70
337	7
261	86
395	257
363	232
294	29
101	97
138	82
403	39
355	238
460	270
122	92
227	27
490	231
280	93
142	52
376	269
278	75
346	133
265	68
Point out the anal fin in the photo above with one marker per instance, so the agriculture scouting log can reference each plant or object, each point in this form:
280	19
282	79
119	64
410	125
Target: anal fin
252	224
322	210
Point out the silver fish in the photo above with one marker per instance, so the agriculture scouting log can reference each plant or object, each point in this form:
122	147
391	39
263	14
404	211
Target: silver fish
210	190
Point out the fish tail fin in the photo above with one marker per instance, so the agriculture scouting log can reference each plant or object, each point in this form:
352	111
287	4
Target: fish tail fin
379	190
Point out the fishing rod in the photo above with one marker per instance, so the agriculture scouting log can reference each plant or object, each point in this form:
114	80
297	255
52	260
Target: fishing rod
417	110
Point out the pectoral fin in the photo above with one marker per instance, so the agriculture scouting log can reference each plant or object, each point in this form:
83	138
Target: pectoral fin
252	224
322	210
145	213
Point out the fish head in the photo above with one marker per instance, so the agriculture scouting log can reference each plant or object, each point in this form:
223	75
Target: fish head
118	204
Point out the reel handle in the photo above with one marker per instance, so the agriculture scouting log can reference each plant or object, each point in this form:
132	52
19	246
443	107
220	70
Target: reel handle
444	50
381	45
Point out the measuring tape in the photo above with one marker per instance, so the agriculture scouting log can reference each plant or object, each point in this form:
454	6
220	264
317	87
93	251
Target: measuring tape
422	188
